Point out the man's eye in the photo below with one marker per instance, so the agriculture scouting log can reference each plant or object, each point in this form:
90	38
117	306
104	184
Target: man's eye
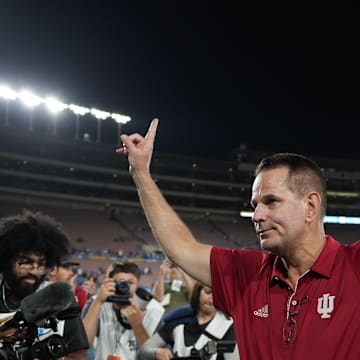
24	261
271	201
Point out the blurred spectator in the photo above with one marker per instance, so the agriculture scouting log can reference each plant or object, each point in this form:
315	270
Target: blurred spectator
173	287
89	285
66	271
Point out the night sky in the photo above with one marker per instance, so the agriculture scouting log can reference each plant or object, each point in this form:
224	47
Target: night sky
217	76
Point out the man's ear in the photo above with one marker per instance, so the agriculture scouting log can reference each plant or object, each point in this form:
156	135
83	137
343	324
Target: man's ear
313	205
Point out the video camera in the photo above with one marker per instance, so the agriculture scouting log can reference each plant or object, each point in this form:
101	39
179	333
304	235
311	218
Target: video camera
211	348
29	341
32	331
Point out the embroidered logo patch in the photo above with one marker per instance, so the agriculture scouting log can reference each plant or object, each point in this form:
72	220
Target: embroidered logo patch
262	312
325	306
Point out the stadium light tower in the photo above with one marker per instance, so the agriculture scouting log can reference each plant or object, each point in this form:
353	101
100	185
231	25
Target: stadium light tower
100	115
120	120
78	110
30	100
55	107
7	94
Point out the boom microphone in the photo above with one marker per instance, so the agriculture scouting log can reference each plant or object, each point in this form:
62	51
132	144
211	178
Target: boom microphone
53	300
46	302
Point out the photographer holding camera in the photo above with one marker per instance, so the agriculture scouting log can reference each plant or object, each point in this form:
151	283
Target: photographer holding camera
31	243
122	316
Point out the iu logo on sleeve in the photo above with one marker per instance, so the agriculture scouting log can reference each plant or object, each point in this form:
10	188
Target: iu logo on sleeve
325	306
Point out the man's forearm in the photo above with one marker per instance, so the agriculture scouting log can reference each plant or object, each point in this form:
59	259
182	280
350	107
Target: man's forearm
159	289
166	225
171	232
148	350
141	334
91	320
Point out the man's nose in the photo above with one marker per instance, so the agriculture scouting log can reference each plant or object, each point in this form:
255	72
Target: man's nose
259	214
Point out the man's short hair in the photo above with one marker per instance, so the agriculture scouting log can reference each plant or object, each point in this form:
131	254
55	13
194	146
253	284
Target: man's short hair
123	267
304	174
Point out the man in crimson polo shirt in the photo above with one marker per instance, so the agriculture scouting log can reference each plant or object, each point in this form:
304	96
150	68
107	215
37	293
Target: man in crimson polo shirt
297	299
323	308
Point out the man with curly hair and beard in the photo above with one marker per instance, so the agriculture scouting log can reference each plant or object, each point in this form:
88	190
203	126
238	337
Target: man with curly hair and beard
30	244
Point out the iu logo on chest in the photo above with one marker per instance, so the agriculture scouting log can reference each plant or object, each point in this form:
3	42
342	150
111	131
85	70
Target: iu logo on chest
325	305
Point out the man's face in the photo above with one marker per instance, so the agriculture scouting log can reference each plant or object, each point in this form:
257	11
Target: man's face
26	274
61	273
206	305
279	213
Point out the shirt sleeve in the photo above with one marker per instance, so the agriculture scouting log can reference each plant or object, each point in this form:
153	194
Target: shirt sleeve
356	258
231	272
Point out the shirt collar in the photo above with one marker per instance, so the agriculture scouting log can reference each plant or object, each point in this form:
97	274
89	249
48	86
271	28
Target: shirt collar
322	266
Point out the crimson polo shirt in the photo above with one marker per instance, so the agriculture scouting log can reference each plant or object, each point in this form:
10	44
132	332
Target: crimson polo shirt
324	311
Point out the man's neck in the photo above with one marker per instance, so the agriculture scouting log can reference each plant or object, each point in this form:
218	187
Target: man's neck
302	260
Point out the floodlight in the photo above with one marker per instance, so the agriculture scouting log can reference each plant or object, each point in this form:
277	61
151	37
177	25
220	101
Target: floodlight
54	105
7	93
99	114
30	99
120	119
79	110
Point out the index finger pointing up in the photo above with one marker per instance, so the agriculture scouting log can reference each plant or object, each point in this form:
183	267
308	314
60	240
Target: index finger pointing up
150	135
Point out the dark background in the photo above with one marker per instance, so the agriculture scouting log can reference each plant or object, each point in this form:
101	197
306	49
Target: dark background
277	78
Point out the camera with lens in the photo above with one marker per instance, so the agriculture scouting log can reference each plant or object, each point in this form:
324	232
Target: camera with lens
52	347
122	293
